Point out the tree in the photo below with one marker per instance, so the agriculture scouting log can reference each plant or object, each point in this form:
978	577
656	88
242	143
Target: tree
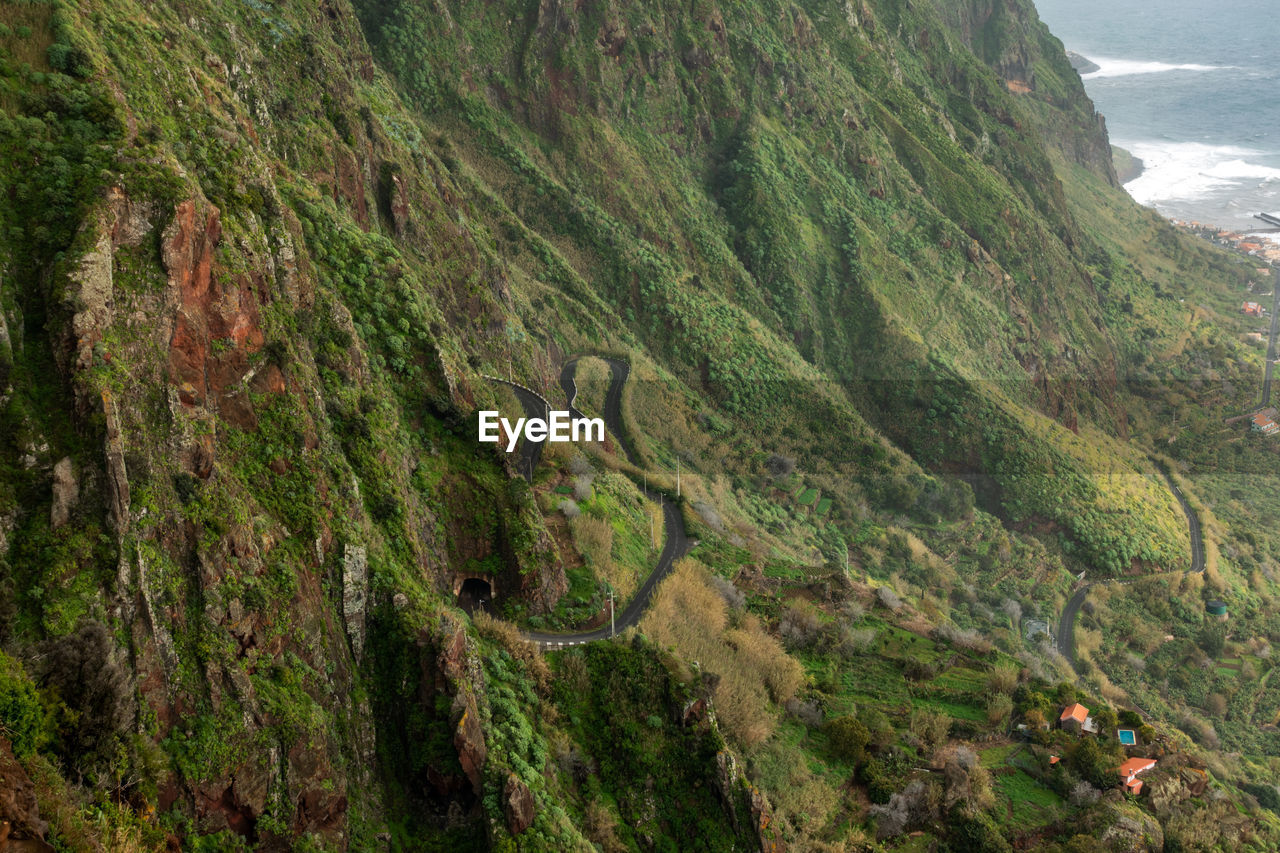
96	700
976	833
1013	610
1095	764
1213	636
932	727
1105	717
848	738
914	805
968	783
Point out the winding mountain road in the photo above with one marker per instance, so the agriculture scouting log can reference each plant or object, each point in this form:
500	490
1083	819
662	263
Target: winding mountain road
535	406
677	538
1067	623
676	546
620	371
1193	524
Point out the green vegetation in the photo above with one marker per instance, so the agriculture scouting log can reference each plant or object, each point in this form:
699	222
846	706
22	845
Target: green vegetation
909	348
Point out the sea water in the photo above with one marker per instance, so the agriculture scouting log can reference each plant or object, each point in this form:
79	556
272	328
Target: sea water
1191	88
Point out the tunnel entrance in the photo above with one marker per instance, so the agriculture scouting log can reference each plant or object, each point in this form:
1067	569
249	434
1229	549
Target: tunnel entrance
475	594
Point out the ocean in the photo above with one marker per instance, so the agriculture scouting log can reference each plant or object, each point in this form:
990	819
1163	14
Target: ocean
1190	88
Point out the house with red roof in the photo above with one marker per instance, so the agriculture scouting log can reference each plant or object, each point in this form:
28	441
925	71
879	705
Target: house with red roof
1252	309
1129	773
1264	424
1075	718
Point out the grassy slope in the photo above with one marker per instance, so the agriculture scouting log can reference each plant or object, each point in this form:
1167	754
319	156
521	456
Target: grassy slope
811	226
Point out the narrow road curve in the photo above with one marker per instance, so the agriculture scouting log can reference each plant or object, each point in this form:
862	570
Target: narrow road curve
1193	523
534	407
676	546
1067	623
677	538
620	371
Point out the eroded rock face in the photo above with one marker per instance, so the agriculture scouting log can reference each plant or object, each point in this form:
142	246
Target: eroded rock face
117	475
7	522
66	492
468	740
401	211
766	830
517	805
728	780
93	291
1123	827
217	326
355	592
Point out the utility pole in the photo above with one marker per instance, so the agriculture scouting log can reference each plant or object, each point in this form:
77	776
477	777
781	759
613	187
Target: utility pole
677	476
612	630
652	542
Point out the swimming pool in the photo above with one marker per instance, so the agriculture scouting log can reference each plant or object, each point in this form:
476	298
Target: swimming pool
1127	737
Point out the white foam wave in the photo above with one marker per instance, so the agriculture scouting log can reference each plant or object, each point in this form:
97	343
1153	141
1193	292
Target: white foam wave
1186	171
1127	67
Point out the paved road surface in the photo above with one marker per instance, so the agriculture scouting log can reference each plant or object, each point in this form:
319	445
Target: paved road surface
534	407
1067	624
620	370
677	545
677	538
1193	524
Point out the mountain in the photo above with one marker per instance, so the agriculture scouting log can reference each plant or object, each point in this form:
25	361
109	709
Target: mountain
880	302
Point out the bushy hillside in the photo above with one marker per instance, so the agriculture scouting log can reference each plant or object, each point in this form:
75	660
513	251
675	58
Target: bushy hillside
885	312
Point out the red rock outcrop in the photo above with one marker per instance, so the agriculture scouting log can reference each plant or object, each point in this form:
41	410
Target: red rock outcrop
217	326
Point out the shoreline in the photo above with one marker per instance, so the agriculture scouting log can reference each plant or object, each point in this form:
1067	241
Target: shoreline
1082	64
1128	167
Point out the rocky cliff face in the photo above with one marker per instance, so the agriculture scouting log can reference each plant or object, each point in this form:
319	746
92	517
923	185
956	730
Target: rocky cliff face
256	260
1009	37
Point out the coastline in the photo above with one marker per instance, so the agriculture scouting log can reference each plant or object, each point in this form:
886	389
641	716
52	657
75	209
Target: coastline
1126	165
1082	64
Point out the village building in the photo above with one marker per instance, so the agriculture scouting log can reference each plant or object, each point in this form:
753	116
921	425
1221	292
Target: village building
1129	773
1264	424
1252	309
1075	718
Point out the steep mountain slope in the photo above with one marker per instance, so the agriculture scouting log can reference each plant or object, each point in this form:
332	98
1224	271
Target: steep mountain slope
258	260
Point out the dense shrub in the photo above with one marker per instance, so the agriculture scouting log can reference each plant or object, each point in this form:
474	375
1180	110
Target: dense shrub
848	738
22	716
96	700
